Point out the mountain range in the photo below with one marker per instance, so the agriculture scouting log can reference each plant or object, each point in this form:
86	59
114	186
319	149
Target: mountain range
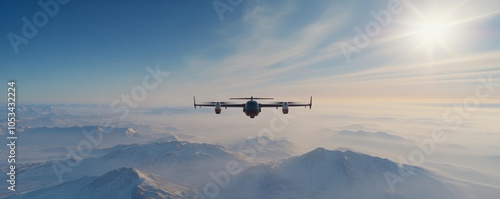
180	169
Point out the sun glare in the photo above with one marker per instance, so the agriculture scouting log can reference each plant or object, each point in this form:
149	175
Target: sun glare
433	31
435	35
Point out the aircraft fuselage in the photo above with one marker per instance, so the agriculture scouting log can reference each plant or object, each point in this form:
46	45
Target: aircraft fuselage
252	108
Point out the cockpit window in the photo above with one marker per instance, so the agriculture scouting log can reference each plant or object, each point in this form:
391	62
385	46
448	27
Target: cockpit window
251	105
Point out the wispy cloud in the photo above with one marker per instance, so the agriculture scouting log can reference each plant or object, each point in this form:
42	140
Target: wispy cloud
263	53
274	50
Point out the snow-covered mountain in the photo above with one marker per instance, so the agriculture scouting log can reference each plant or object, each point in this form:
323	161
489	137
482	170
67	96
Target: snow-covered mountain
179	161
71	136
120	183
52	143
317	174
263	148
167	138
368	135
56	115
335	174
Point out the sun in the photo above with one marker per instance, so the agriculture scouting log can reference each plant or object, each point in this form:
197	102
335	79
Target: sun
433	31
439	29
434	35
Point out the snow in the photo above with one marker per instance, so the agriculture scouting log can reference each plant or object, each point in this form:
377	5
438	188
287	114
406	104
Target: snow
267	149
120	183
323	173
179	169
180	161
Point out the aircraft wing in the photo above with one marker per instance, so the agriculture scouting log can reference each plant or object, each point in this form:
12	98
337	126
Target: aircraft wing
294	104
280	104
228	104
200	105
212	104
277	104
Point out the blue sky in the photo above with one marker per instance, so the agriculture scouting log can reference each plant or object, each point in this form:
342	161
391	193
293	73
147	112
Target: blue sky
94	51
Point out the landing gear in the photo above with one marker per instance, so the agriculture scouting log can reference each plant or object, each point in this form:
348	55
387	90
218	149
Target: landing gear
252	116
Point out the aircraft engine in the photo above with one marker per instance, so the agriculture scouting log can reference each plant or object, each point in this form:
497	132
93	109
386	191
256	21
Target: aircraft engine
218	108
285	108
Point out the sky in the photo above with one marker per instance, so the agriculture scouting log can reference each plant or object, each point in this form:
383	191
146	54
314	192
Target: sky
402	67
354	53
